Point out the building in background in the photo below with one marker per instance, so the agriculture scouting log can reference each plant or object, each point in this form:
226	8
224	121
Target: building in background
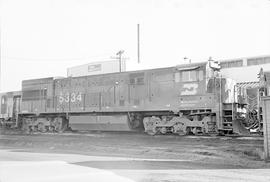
239	69
96	68
244	69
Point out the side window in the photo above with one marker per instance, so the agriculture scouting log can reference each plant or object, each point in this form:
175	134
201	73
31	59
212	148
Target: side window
201	75
132	81
189	76
177	77
136	78
140	81
192	75
185	76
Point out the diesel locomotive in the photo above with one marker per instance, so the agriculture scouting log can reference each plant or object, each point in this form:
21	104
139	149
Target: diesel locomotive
190	98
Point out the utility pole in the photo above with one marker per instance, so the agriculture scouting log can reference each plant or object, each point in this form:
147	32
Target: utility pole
0	54
119	54
138	39
1	12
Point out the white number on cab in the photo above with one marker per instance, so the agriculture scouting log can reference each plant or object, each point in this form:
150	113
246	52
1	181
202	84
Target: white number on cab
73	97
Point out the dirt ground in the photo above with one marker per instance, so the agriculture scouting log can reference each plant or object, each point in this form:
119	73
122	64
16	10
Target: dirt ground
203	152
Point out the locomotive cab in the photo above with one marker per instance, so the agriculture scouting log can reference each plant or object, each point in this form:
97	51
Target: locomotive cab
197	107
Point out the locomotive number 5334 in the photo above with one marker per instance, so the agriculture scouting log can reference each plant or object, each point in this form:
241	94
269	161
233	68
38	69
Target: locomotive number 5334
70	97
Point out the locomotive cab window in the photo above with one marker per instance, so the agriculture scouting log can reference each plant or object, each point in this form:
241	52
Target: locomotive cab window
189	76
192	75
201	75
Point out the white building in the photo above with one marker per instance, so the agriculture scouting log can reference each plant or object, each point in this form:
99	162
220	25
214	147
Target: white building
244	69
96	68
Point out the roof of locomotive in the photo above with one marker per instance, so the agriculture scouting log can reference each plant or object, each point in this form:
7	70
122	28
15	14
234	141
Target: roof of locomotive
13	93
37	80
178	67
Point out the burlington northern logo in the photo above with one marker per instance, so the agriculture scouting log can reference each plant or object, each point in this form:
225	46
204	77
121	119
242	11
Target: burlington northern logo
189	89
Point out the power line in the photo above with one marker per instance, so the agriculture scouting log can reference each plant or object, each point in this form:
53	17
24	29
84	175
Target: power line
54	59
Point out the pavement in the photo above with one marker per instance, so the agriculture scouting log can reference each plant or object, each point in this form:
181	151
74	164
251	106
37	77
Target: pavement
17	165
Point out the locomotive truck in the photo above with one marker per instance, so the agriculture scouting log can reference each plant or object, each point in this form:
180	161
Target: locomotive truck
184	99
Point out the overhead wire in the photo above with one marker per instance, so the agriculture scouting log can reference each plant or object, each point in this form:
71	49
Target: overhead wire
31	59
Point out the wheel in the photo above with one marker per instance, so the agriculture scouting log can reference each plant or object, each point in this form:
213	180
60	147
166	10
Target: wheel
195	130
153	132
172	129
221	133
187	131
41	127
163	130
51	128
34	128
181	133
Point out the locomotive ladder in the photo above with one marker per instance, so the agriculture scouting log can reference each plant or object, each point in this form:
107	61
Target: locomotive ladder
232	120
227	117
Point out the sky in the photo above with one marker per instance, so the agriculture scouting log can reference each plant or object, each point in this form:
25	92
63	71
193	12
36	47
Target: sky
42	38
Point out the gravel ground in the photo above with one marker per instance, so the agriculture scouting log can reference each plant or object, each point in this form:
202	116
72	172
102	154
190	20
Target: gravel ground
201	151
